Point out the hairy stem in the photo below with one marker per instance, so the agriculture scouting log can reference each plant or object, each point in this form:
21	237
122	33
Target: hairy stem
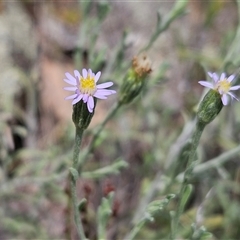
180	208
76	151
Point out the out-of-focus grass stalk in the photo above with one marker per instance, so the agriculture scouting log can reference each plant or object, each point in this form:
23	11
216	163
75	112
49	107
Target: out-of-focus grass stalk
214	163
96	134
84	7
135	230
208	109
178	10
103	214
148	215
161	183
201	168
31	110
102	172
88	34
73	178
232	58
192	157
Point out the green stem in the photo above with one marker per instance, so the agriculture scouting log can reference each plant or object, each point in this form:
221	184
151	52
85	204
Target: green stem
194	141
96	134
214	163
134	231
76	151
177	11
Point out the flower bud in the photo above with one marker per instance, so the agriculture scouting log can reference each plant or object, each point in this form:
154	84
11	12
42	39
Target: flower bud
81	115
210	107
135	79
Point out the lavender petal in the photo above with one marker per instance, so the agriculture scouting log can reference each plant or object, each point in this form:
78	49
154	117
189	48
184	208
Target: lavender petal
90	104
97	76
70	88
224	99
70	77
84	73
70	81
105	92
76	100
72	96
230	78
206	84
235	87
104	85
223	76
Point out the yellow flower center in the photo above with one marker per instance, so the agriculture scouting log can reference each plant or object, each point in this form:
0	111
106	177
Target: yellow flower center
87	85
223	86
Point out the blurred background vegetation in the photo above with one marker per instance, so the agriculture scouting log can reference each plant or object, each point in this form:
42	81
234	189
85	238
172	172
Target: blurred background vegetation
38	44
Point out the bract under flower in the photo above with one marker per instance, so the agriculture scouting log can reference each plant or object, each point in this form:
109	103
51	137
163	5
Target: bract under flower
223	85
85	87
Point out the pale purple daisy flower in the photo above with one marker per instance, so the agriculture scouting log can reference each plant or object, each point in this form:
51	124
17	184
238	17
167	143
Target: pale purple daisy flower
85	87
221	84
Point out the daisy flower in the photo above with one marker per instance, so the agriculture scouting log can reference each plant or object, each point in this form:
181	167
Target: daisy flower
85	87
223	85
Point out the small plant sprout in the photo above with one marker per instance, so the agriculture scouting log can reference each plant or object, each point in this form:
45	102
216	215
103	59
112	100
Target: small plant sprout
223	85
85	87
